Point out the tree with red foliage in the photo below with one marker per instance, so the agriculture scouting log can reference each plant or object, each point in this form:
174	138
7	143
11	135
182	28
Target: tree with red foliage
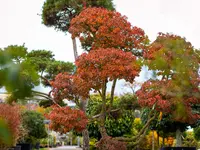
176	89
102	28
162	93
65	119
101	66
59	14
110	32
73	88
94	71
11	114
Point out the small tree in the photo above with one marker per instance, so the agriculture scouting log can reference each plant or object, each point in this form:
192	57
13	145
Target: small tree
11	114
176	89
99	67
33	122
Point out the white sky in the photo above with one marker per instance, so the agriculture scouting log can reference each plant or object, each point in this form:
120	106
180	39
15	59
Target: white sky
19	23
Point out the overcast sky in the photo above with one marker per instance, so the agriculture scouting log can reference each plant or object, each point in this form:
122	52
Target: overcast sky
20	23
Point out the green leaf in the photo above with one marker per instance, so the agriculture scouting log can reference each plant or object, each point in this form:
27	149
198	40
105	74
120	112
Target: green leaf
5	134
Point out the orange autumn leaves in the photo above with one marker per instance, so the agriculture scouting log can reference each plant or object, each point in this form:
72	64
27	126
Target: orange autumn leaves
109	39
92	69
113	45
12	116
101	28
65	119
176	90
67	86
107	64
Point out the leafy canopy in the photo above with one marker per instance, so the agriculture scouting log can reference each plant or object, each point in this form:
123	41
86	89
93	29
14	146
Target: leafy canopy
101	28
176	89
106	65
69	86
18	75
5	134
41	59
59	13
33	122
65	119
12	117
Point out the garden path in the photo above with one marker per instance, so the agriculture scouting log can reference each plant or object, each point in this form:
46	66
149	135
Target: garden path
66	148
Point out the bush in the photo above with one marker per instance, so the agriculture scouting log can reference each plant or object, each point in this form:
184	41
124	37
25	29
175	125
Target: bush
197	133
93	144
44	142
11	114
189	140
33	122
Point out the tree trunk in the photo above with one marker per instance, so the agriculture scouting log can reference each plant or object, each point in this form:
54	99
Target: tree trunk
103	112
178	138
86	139
83	106
102	128
75	48
85	132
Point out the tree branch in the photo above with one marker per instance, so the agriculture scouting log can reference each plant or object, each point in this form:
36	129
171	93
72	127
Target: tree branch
112	94
141	134
133	144
100	93
40	93
76	100
44	95
46	80
98	115
143	130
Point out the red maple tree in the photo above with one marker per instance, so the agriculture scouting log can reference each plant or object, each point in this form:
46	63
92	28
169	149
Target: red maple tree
109	38
101	28
176	64
94	71
70	87
12	116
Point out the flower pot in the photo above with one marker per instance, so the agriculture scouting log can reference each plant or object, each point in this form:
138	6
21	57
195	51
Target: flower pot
15	148
37	146
25	146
